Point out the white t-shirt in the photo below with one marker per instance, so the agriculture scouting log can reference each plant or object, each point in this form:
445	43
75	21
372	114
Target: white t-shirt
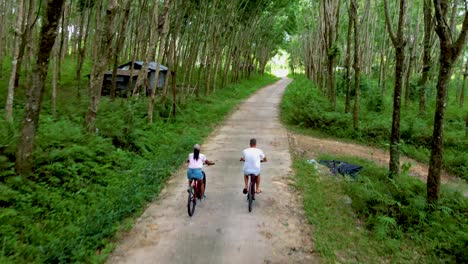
252	157
196	164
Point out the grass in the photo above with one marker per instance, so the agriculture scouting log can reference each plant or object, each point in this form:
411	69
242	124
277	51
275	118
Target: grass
353	220
88	187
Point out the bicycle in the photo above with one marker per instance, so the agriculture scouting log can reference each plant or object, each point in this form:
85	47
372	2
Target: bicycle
194	192
251	190
251	187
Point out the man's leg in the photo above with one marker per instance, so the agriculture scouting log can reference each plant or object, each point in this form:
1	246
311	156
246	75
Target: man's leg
258	185
246	181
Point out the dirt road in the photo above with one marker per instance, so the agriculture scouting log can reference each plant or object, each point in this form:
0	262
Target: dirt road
222	230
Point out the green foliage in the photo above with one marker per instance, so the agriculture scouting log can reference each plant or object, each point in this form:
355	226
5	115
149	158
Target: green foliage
401	227
305	106
85	186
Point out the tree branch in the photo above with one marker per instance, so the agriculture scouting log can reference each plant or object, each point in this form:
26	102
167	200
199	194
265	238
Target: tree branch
457	46
389	25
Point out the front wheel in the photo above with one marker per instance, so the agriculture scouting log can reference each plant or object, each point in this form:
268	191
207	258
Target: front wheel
191	202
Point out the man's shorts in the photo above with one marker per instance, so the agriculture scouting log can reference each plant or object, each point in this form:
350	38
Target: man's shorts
195	174
248	172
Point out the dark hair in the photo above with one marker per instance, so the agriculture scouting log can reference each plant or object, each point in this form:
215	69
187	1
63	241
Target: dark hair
196	154
253	141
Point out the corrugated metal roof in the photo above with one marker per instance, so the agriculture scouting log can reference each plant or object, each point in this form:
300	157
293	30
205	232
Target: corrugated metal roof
151	65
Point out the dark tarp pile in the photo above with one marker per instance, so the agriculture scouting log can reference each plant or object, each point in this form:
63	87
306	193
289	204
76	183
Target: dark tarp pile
342	167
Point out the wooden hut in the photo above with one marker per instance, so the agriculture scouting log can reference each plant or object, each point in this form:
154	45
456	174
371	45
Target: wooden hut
127	75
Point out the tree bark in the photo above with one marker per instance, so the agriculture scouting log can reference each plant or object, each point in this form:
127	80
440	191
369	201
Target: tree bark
34	95
11	84
356	66
165	15
348	61
97	75
119	46
427	60
399	42
450	49
462	91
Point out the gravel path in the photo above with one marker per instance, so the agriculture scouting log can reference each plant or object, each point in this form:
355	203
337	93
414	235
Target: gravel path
222	230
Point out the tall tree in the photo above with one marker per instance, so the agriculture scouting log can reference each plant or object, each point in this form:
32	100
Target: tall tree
34	94
348	59
106	37
331	14
427	59
356	66
450	49
399	43
165	16
16	53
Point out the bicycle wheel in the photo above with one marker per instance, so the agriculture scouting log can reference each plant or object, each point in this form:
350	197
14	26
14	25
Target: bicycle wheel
192	202
251	193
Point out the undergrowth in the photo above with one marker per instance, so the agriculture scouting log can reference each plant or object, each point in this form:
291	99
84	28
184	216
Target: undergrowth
375	219
305	106
85	186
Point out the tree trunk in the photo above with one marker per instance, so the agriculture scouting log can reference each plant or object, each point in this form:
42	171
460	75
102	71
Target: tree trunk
450	49
119	46
356	66
412	54
165	15
399	42
2	34
82	44
462	91
34	95
348	63
11	84
98	72
55	63
427	63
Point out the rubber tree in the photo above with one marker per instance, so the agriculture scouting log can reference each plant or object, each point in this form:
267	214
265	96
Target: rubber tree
399	43
34	94
102	57
18	33
450	49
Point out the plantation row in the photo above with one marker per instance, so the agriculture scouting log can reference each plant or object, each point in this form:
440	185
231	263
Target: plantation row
86	185
378	219
306	106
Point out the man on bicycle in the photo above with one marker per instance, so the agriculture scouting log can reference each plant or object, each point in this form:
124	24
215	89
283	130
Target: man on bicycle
252	158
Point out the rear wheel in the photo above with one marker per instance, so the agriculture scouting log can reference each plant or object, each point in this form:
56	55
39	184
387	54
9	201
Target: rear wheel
191	202
251	193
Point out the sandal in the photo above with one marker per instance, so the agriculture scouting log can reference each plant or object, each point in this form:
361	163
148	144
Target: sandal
258	192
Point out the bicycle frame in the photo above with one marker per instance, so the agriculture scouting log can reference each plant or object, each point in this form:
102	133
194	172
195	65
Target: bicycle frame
251	189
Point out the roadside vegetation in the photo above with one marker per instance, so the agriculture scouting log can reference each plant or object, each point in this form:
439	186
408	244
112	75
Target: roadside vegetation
374	219
304	105
86	185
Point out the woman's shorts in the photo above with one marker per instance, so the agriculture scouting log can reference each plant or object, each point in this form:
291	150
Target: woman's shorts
195	174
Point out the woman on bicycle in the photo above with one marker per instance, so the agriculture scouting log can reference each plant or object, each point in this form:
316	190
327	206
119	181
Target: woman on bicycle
195	165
